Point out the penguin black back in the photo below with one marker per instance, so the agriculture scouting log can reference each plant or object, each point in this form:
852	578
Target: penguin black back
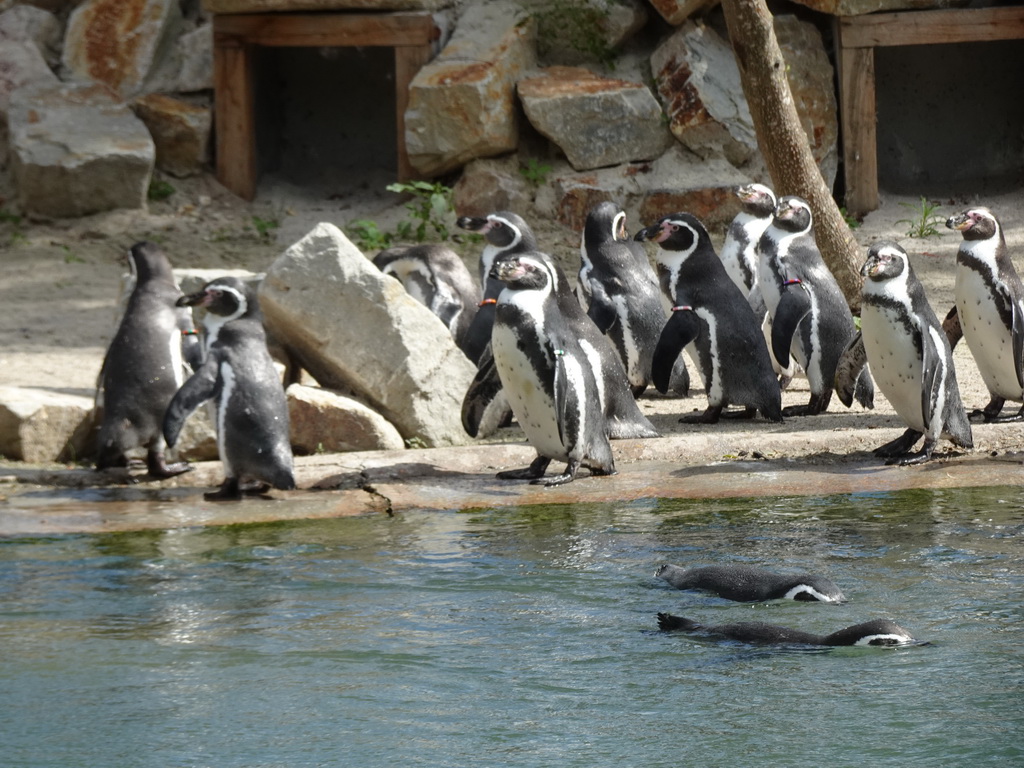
143	366
877	632
622	291
748	583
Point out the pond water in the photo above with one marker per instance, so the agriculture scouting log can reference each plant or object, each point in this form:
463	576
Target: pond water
517	637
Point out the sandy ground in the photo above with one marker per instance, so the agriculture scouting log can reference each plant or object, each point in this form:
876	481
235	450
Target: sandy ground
61	281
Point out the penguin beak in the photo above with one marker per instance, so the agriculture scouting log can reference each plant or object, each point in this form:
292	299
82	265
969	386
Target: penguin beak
473	224
200	299
745	193
656	233
960	222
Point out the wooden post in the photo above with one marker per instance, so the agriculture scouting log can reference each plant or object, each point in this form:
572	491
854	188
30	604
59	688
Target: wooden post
858	128
408	60
234	114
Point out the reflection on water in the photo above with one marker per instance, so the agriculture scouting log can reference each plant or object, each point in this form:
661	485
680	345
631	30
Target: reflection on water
516	637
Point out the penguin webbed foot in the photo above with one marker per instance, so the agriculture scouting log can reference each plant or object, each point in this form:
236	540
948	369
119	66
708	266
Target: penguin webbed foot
534	471
229	491
990	414
914	458
818	404
158	467
899	447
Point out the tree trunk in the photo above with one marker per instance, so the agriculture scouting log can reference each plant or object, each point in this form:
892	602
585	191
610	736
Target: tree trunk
783	141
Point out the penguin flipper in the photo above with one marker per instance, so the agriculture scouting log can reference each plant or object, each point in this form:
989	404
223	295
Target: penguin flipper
1017	338
793	307
601	310
681	329
932	380
578	436
852	361
199	388
484	408
951	325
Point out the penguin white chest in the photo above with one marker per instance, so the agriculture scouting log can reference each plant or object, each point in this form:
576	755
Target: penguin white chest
895	361
526	393
988	338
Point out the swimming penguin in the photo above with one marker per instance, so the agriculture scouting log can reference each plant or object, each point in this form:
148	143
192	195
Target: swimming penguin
748	583
484	407
990	305
711	313
144	365
559	373
239	376
910	357
436	277
810	316
877	632
622	291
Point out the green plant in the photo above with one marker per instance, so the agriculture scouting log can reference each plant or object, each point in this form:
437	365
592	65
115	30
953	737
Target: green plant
159	190
265	226
535	172
431	206
576	24
70	257
851	221
926	222
368	235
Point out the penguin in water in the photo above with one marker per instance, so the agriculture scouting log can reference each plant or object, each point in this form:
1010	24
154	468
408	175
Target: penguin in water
990	308
559	373
710	312
877	632
144	366
810	316
436	277
748	583
485	408
910	357
238	375
622	291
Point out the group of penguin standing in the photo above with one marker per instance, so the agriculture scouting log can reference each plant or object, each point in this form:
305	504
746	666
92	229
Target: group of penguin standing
567	362
145	398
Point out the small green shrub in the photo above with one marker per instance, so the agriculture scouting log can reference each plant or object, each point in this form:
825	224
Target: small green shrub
926	222
431	207
535	172
159	190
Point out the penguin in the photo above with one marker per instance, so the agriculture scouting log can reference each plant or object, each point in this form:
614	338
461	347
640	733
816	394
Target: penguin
739	251
504	232
238	375
622	291
559	373
810	316
144	366
711	313
990	307
436	277
748	583
910	357
484	407
877	632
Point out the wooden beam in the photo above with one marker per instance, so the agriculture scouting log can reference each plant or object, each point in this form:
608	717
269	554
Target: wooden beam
958	25
408	61
306	30
234	115
858	126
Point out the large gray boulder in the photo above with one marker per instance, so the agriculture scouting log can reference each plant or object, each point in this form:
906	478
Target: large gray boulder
21	64
699	85
119	42
323	421
35	26
356	330
76	151
40	425
462	105
597	121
